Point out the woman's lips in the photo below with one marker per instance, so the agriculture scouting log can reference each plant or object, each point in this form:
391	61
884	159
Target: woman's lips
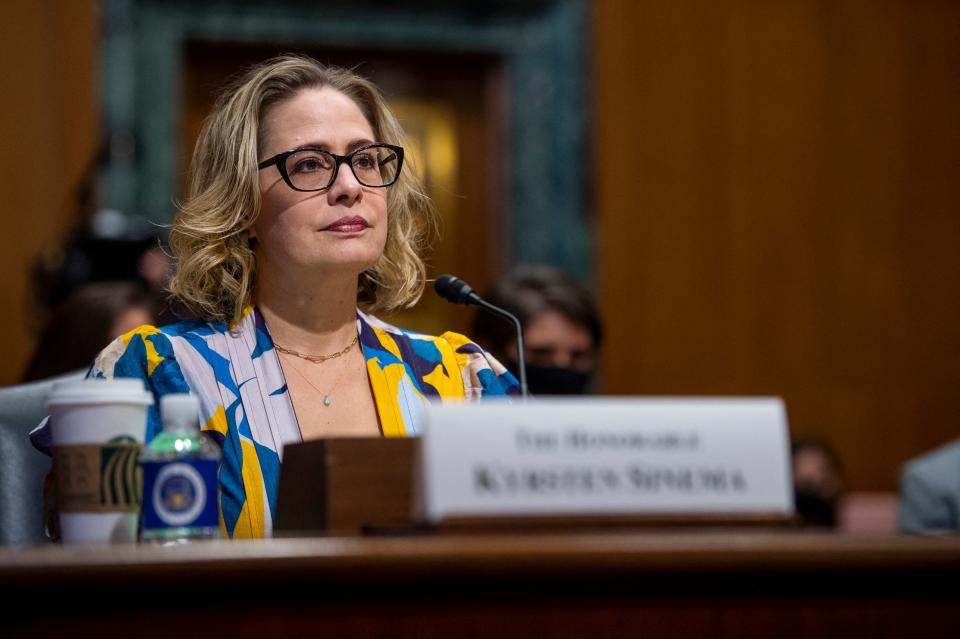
353	224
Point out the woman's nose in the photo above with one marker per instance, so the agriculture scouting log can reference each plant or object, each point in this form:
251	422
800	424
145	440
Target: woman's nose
562	358
345	188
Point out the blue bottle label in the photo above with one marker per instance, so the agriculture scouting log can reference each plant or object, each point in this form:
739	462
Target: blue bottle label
180	493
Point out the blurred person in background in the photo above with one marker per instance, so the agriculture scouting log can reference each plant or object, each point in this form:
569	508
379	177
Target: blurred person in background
562	330
817	483
930	492
84	323
101	245
105	248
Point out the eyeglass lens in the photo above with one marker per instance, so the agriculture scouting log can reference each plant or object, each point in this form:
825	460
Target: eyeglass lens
313	169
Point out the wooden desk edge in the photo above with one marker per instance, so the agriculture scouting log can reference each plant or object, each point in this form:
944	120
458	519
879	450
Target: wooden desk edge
491	555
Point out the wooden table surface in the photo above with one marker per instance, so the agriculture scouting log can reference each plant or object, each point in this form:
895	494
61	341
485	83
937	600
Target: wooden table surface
706	583
536	553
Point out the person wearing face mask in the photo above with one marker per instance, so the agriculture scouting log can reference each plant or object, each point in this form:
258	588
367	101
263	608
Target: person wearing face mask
562	330
817	483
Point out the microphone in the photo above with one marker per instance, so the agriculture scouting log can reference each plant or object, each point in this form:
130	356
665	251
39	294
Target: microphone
455	290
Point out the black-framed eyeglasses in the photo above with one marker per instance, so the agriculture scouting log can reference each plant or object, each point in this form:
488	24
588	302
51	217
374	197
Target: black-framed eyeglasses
309	168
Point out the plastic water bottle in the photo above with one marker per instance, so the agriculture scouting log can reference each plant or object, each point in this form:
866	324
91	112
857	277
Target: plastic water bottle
179	478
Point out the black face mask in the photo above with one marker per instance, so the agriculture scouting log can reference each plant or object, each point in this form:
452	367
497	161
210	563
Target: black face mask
549	380
814	509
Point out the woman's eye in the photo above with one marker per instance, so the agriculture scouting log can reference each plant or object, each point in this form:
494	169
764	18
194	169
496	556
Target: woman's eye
365	161
311	164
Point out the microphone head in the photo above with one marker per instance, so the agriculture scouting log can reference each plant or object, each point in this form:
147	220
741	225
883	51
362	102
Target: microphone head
453	289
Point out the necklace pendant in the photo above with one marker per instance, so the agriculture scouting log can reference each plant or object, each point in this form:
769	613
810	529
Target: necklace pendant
326	400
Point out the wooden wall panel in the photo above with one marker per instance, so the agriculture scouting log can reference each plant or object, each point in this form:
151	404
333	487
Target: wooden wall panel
777	189
48	129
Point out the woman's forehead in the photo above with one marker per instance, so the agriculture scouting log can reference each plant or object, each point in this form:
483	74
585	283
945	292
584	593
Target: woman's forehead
321	116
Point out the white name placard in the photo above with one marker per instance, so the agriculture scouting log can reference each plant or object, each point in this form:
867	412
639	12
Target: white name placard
612	456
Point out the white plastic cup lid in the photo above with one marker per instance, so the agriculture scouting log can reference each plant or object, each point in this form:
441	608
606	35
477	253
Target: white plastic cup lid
100	391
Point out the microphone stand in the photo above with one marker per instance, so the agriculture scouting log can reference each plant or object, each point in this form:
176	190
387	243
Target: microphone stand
456	291
521	359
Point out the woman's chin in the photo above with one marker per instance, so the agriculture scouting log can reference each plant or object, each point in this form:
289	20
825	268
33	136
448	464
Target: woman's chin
346	265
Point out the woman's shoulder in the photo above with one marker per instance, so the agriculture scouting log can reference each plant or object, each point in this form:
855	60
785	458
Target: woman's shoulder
418	341
182	328
481	373
146	347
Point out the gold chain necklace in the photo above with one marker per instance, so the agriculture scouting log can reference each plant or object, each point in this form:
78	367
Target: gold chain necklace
316	359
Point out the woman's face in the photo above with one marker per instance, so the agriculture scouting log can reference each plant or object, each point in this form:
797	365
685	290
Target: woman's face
341	229
553	340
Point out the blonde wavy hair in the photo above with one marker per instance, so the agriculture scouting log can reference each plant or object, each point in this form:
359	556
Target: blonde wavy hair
215	264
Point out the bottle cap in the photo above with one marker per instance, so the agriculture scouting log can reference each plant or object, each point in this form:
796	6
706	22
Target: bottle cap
180	412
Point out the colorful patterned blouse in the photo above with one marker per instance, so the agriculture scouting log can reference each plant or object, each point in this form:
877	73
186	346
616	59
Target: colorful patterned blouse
245	405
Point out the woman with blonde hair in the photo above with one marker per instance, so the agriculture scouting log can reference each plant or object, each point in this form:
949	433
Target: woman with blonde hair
300	221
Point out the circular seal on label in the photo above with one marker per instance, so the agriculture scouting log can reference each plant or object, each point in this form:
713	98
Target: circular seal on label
179	494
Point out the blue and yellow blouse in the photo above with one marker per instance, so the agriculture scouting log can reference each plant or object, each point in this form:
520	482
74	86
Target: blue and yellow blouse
245	405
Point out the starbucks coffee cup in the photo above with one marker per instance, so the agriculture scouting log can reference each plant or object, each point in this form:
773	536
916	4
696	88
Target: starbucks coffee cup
98	428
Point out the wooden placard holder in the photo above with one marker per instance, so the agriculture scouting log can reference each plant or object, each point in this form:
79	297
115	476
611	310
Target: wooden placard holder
349	486
361	486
